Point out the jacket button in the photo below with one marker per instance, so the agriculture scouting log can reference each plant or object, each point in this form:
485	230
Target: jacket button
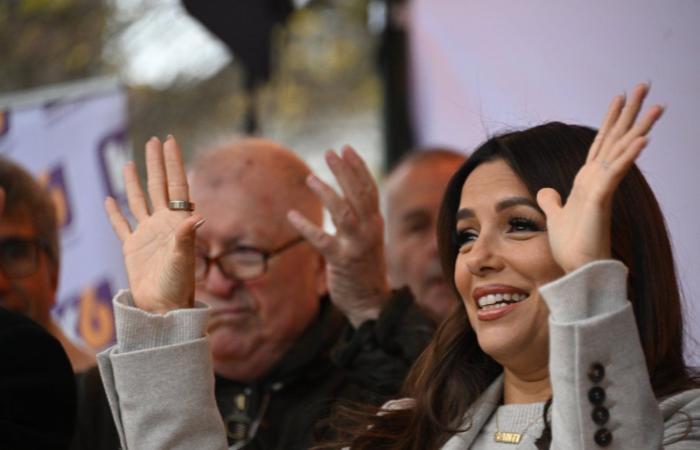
596	395
596	373
600	415
603	437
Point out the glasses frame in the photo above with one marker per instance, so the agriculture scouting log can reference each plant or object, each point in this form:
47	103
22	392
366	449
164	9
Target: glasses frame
39	244
266	255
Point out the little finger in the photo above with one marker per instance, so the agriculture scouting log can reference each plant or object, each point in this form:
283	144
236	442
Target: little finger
119	223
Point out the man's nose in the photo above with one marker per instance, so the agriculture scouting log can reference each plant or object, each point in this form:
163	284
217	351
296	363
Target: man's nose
431	243
218	284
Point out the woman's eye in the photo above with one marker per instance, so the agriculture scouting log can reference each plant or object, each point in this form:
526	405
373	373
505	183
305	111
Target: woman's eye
465	237
520	224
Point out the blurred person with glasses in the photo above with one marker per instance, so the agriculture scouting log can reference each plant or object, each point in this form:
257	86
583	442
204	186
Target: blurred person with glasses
29	256
37	386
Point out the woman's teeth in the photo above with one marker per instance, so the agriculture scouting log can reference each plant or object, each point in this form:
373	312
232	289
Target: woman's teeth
493	301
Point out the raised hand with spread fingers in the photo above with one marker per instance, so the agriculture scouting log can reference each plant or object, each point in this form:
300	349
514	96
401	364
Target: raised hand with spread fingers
579	231
355	254
159	251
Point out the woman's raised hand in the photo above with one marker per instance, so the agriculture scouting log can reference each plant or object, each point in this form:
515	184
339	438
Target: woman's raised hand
579	231
159	252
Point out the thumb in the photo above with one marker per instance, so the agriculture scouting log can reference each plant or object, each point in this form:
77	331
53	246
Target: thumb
549	200
185	233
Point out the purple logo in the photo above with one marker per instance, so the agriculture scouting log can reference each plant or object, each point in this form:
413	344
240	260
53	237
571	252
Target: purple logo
55	181
95	320
113	154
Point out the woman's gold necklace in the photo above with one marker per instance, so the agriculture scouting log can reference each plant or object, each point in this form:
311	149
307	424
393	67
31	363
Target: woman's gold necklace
511	437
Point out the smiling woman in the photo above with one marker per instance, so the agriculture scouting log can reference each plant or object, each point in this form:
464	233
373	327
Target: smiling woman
571	331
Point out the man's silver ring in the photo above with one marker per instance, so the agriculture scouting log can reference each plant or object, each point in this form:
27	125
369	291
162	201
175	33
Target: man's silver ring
180	205
605	164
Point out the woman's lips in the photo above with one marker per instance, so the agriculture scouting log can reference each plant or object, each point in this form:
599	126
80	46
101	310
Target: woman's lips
496	313
496	300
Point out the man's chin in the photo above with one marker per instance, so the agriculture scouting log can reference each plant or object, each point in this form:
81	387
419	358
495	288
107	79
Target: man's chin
229	343
438	300
19	308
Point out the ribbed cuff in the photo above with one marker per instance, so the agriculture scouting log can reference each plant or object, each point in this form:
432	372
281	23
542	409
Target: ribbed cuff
137	329
598	288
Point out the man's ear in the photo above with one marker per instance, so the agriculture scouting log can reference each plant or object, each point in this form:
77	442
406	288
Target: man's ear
321	280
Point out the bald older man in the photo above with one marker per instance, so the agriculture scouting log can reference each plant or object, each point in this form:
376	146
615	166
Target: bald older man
282	352
412	194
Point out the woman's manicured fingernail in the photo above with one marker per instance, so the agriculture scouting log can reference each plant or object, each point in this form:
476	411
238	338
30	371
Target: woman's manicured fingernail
199	224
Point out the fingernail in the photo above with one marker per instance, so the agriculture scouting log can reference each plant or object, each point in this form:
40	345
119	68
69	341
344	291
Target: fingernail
170	136
199	224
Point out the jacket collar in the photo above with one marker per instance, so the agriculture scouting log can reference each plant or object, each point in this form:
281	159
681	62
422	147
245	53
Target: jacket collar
477	416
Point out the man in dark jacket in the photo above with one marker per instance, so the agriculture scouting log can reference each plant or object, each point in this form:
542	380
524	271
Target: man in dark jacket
282	351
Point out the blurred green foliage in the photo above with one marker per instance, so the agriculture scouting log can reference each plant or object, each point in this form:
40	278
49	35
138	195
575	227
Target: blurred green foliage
323	59
51	41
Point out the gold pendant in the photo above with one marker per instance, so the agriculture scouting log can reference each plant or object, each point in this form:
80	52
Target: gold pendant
507	437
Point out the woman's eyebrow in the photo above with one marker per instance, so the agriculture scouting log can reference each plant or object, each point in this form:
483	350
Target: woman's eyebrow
468	213
517	201
465	213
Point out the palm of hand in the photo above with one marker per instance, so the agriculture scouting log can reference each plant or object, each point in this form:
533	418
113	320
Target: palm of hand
159	253
169	279
579	232
354	260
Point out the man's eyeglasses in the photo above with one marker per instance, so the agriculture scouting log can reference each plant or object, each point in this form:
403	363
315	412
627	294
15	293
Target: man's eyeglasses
240	263
19	257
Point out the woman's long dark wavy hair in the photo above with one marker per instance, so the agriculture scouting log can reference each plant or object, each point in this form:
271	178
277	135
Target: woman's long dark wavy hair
453	371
